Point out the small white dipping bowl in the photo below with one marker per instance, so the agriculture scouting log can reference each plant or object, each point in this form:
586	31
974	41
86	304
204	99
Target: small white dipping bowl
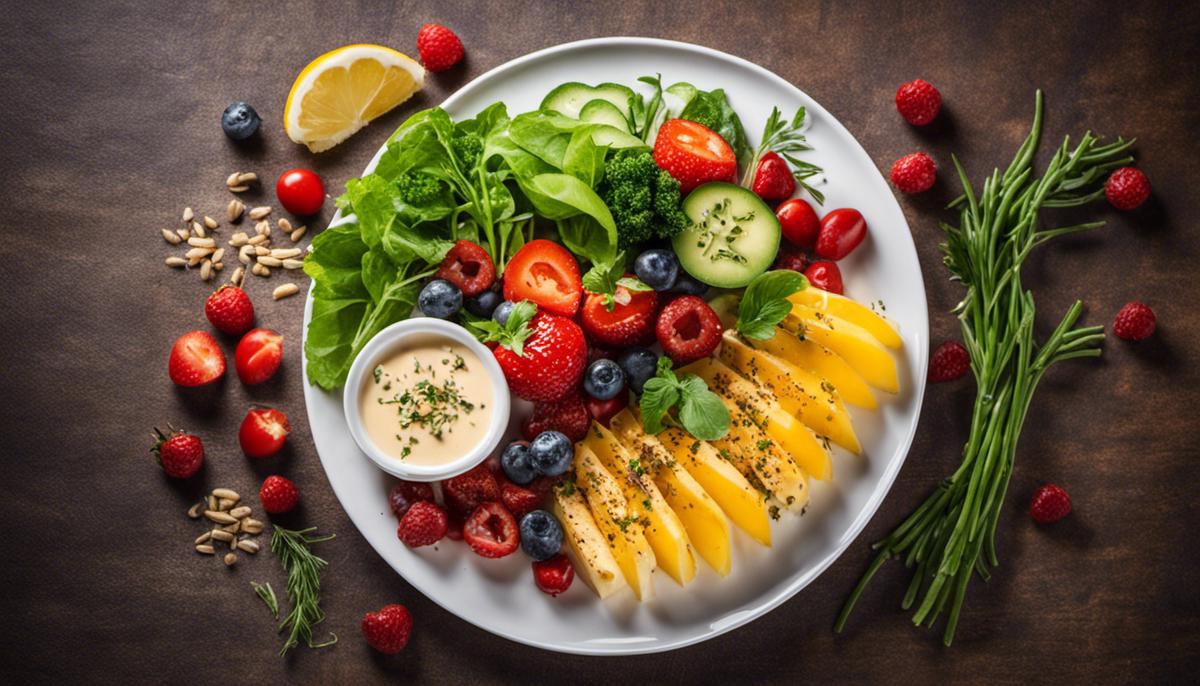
379	349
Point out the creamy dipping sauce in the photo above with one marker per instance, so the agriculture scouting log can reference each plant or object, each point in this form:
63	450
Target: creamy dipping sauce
428	403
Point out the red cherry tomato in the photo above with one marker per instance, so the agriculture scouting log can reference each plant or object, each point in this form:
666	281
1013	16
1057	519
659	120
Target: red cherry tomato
546	274
300	191
258	356
604	410
263	432
841	232
799	223
555	575
825	275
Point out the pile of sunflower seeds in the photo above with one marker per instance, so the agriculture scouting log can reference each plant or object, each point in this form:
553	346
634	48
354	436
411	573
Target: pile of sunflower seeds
231	525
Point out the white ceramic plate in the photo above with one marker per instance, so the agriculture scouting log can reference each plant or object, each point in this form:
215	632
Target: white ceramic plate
499	595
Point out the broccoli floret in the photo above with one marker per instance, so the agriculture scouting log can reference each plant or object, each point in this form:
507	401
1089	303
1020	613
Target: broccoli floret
417	188
643	198
467	147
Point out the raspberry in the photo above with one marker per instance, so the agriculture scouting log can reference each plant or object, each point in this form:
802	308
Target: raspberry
1050	504
468	491
1135	322
569	415
518	499
491	531
229	309
555	575
424	524
387	630
914	173
918	102
278	495
1127	188
788	258
406	493
688	329
438	47
949	362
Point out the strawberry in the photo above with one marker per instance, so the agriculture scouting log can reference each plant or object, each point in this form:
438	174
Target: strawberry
555	575
949	361
1135	322
918	102
604	410
568	415
1127	188
405	494
387	630
693	154
229	310
790	258
825	275
914	173
629	322
468	266
518	499
424	524
773	179
465	492
491	531
439	47
196	359
688	329
543	359
278	495
1050	503
180	454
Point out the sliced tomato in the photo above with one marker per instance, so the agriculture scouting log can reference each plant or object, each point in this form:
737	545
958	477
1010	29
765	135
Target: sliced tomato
468	266
258	356
263	432
630	322
544	273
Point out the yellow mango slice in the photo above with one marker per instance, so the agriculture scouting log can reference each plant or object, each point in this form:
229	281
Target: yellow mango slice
588	548
882	328
852	342
616	521
807	354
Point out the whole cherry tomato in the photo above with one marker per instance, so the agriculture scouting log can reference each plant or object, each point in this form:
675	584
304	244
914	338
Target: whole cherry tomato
799	223
841	232
258	355
263	432
300	191
825	275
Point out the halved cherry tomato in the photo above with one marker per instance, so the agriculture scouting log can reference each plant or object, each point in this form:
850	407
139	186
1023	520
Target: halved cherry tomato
196	359
544	273
630	322
841	232
799	223
300	191
491	531
693	154
263	432
258	356
468	266
825	275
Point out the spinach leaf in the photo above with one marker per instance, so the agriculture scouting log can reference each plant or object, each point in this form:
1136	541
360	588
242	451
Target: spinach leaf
583	158
712	109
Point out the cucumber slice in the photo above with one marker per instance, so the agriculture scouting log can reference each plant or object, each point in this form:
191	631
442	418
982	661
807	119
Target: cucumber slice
604	112
733	238
569	98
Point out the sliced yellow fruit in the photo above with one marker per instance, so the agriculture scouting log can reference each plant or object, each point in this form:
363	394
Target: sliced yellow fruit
707	527
802	393
793	436
760	459
661	526
823	362
341	91
616	521
588	547
882	328
742	503
853	343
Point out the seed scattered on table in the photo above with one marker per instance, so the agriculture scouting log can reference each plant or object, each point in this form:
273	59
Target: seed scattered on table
195	510
183	234
240	511
227	494
260	212
239	275
205	549
188	214
171	237
293	264
206	270
198	229
199	242
235	210
203	538
210	223
247	546
298	233
284	253
176	262
268	261
230	558
287	289
221	535
220	517
284	225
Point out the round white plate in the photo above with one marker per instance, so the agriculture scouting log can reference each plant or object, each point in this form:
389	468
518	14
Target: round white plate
499	595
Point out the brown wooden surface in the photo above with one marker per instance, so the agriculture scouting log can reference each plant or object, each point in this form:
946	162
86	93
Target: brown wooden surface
109	121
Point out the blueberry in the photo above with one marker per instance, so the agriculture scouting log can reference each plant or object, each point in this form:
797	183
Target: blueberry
500	314
686	285
483	304
239	121
603	379
516	465
551	453
440	298
657	268
541	535
639	365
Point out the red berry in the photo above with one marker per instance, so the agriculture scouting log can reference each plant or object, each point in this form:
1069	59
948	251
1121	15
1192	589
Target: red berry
491	531
841	232
387	630
424	524
1127	188
825	275
950	361
258	356
555	575
405	494
688	329
773	179
799	223
468	266
465	492
229	310
551	363
630	321
918	102
454	526
263	432
180	454
914	173
693	154
1050	504
788	258
546	274
568	415
519	500
604	410
1135	322
278	495
196	359
300	191
438	47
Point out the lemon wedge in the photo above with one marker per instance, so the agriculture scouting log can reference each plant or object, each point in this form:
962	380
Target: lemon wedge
343	90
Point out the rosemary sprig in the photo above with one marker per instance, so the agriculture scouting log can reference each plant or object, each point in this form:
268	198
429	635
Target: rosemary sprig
952	536
784	138
267	594
303	584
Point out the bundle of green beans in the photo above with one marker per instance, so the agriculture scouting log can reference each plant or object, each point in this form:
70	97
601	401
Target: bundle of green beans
951	537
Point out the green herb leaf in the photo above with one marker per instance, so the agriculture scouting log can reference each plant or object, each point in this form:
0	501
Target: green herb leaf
303	568
514	332
632	283
701	412
765	303
783	137
267	594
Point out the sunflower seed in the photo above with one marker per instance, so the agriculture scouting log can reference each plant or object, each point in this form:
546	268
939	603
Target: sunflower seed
244	254
298	233
202	242
232	179
285	290
258	239
204	537
225	504
285	225
260	270
247	177
239	275
188	214
268	261
200	252
235	210
238	239
240	512
247	546
218	266
230	558
218	254
231	528
210	223
194	510
226	493
206	270
171	237
261	250
220	517
239	189
221	535
205	549
293	264
212	502
183	234
252	526
260	212
284	253
263	228
198	229
176	262
193	261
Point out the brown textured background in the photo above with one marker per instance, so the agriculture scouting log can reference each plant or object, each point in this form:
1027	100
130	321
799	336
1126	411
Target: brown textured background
109	127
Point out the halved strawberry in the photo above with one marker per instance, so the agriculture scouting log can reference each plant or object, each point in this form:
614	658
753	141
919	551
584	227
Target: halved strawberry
693	154
629	322
546	274
469	267
196	359
491	531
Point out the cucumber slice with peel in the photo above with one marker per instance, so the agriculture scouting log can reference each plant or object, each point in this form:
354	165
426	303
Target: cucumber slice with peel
604	112
569	98
734	235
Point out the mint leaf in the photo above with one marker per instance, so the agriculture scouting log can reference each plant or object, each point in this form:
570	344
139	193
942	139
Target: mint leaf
701	412
765	303
659	395
632	283
514	332
603	278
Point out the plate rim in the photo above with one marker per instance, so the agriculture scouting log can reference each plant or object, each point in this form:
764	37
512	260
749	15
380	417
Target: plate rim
888	478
